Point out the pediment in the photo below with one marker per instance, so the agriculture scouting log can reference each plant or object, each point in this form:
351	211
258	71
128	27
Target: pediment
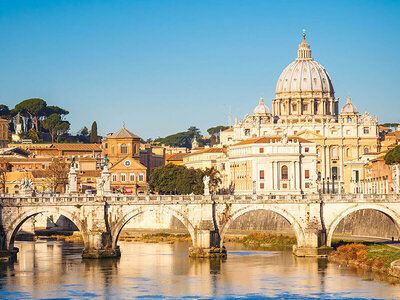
309	135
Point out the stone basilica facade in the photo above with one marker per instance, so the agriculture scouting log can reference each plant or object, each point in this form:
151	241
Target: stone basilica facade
305	107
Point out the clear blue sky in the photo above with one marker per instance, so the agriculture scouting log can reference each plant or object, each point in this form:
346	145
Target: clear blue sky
162	66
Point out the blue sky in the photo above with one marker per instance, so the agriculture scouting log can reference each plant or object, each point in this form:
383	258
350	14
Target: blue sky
162	66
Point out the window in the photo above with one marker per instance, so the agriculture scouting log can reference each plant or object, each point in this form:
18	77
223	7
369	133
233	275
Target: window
134	149
348	153
366	150
247	132
105	145
284	185
132	177
307	174
141	177
305	107
123	177
307	149
294	107
307	185
284	173
112	149
366	130
124	149
334	152
349	120
114	177
261	174
261	150
261	185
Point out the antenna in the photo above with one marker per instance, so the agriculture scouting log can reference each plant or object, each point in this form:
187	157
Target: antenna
230	116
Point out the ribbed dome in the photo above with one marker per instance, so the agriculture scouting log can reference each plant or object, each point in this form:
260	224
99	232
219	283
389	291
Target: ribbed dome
349	108
304	76
261	109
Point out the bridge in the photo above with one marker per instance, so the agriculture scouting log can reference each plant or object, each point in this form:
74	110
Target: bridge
100	219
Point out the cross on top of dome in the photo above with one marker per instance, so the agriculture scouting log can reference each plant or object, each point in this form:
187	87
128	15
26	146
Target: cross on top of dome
304	51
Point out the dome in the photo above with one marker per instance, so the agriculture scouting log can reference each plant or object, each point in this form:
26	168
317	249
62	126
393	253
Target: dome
304	77
349	108
261	109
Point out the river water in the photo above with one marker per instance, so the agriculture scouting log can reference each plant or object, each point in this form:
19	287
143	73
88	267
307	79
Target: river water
54	269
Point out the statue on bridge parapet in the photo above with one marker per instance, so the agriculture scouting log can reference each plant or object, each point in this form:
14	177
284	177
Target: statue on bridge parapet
27	187
206	181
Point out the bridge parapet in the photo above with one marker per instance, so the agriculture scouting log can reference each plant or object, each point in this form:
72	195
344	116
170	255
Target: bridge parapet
67	199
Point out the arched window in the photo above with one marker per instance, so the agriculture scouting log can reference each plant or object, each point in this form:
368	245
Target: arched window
348	153
334	152
366	150
124	149
349	120
284	173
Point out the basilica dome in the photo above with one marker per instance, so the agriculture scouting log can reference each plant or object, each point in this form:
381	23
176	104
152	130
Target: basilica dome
349	108
261	109
304	77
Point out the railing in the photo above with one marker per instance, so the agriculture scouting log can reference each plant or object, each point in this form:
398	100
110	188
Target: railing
72	199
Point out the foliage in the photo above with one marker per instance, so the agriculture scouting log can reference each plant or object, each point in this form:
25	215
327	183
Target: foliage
393	156
216	129
390	125
93	133
173	179
181	139
259	238
55	125
4	111
34	108
49	110
84	131
57	174
33	135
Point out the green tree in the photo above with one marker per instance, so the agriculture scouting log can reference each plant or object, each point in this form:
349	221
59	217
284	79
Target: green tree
55	125
84	131
51	109
4	111
393	156
93	133
34	108
216	129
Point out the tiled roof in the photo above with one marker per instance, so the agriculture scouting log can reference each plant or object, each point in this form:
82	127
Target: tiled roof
271	139
177	157
90	173
208	150
228	130
123	134
77	147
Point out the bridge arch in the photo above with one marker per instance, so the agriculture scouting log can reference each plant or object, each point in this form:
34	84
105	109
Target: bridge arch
283	213
395	217
117	228
15	225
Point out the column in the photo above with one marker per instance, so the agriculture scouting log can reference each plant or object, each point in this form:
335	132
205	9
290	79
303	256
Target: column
387	186
292	177
323	162
298	175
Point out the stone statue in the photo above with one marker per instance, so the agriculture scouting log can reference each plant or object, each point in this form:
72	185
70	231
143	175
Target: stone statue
26	186
206	181
284	138
106	160
73	162
100	186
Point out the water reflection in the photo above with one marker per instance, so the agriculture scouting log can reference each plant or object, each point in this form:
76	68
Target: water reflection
55	269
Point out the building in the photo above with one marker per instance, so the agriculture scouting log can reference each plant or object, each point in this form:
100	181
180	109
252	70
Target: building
128	175
203	159
3	133
151	157
305	107
267	165
176	159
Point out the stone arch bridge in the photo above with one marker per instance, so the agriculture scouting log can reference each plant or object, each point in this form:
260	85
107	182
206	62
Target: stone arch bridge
100	219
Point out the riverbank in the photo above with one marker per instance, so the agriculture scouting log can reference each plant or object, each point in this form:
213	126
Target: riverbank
263	240
370	256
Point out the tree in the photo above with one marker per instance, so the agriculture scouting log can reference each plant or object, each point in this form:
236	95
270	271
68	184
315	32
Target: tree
173	179
51	109
57	174
55	125
84	131
34	108
393	156
3	175
93	133
216	129
4	111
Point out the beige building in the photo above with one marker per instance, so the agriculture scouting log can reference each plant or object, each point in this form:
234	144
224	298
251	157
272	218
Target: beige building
272	165
205	158
305	106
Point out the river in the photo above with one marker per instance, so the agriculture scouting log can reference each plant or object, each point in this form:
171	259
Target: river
54	269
